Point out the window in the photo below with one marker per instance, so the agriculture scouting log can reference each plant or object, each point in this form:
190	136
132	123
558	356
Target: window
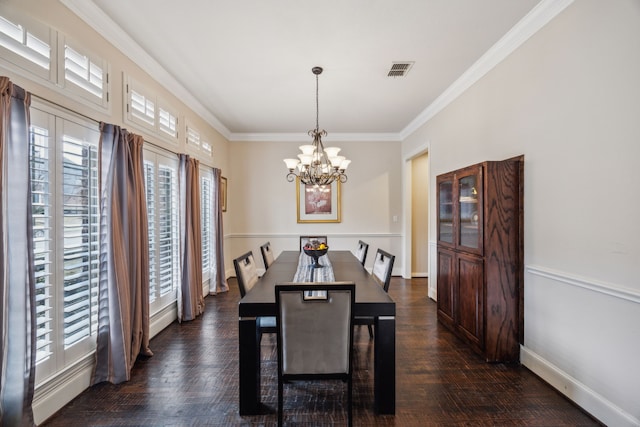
42	238
206	219
64	172
161	183
193	137
144	109
168	122
206	147
141	108
85	74
27	44
79	70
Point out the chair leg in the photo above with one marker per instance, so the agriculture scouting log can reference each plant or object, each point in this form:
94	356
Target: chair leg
350	401
280	404
370	331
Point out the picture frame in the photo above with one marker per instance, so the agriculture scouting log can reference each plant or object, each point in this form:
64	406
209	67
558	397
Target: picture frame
223	193
318	205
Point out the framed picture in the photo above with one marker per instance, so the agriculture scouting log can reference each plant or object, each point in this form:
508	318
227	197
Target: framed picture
223	193
318	203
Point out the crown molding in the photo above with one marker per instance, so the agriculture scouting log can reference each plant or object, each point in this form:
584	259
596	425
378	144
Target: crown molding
537	18
304	137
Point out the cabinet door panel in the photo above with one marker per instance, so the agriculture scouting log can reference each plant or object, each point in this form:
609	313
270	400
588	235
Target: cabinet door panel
445	279
471	297
469	213
445	209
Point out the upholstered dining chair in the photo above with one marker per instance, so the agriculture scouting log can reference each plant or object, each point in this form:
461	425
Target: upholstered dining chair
247	276
361	251
382	268
315	335
267	255
306	239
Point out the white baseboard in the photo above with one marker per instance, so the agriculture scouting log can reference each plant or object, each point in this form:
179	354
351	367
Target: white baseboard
592	402
56	392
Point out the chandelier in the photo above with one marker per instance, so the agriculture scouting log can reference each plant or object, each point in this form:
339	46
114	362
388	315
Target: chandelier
317	165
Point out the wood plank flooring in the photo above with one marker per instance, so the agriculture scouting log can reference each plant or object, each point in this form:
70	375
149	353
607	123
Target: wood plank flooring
192	380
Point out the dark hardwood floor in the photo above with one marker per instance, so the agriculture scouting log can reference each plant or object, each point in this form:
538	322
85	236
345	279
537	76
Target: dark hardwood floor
192	380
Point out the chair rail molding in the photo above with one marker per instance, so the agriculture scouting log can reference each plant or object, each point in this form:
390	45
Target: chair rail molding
584	283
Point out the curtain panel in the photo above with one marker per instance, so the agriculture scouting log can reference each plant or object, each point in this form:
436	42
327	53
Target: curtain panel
218	281
17	289
190	296
123	304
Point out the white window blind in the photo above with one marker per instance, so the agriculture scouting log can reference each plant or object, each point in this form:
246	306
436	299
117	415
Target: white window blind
167	229
193	137
81	71
206	147
150	188
205	219
18	40
141	108
80	236
168	123
42	238
161	181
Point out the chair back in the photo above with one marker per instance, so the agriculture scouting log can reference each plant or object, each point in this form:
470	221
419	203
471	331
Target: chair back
361	251
315	328
267	255
306	239
246	272
382	268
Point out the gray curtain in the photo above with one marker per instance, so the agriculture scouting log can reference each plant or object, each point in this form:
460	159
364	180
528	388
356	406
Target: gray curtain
190	297
17	289
123	305
218	281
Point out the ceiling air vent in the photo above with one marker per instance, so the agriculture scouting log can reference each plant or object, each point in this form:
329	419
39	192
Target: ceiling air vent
400	69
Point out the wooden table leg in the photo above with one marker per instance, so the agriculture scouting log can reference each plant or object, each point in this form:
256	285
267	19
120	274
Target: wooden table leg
385	365
249	351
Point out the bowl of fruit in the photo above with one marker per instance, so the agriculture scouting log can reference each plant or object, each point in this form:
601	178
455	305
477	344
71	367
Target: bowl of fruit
315	250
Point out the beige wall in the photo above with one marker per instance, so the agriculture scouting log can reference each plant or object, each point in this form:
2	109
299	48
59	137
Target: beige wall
569	100
262	204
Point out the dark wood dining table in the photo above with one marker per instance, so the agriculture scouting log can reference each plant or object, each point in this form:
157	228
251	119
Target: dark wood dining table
371	300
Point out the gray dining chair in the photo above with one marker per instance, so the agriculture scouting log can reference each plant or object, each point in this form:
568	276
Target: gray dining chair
267	255
382	268
361	251
306	239
247	276
315	335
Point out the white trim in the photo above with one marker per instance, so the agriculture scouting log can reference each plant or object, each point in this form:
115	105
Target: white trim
54	393
537	18
304	137
297	235
595	404
609	289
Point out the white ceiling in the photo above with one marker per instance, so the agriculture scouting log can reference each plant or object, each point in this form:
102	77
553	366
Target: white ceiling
247	63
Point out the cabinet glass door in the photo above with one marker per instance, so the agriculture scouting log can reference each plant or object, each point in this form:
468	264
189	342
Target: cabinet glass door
445	211
468	224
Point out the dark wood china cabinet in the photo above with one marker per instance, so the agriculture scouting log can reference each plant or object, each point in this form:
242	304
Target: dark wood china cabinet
480	269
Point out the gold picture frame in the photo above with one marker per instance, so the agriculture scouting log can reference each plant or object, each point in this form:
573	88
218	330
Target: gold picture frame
318	204
223	193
